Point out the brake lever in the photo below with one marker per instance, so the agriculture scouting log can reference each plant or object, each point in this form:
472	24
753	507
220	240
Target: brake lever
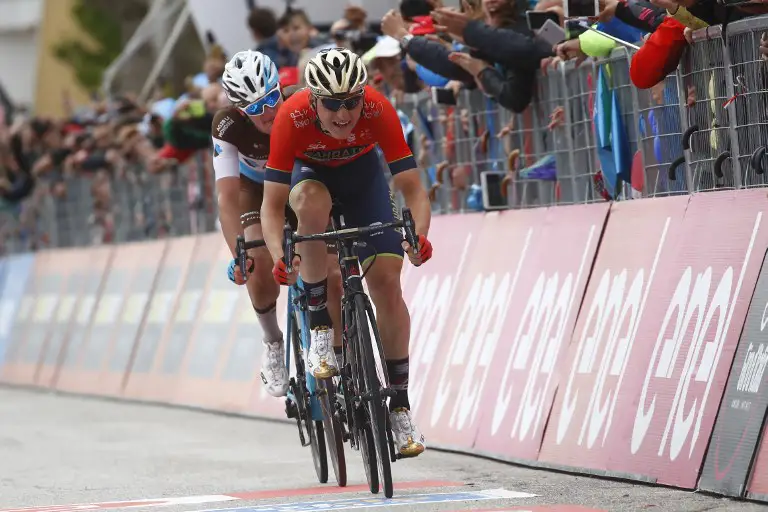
410	230
241	256
288	247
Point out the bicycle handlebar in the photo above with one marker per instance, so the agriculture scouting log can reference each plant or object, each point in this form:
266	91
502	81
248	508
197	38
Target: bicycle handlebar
291	239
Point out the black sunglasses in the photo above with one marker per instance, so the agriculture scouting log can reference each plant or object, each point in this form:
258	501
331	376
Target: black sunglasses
334	104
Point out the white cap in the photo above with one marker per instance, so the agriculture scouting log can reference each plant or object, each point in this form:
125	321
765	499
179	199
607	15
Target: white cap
386	46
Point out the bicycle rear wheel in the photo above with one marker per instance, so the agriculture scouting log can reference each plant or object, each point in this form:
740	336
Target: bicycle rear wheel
377	405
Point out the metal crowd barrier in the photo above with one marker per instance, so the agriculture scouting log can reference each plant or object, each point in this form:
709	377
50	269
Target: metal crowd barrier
705	127
104	207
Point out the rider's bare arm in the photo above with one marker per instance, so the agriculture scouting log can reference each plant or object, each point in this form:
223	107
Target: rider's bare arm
277	182
227	169
228	195
273	216
416	198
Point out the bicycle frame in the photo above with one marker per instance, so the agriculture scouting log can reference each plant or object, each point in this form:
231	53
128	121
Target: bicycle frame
296	294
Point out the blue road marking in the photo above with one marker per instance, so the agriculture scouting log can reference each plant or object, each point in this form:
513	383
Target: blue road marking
355	503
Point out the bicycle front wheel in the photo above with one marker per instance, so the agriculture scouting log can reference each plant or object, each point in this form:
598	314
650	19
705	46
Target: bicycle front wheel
377	405
314	428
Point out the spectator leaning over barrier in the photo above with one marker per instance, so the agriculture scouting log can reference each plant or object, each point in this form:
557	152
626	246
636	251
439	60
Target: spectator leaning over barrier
662	51
628	20
504	54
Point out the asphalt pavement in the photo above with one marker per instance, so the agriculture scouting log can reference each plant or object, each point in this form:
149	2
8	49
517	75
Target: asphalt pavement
57	451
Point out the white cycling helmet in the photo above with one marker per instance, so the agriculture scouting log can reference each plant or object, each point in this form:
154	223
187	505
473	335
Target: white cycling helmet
248	76
335	72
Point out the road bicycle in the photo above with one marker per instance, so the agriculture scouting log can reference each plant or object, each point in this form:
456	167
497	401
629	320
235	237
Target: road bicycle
361	403
309	401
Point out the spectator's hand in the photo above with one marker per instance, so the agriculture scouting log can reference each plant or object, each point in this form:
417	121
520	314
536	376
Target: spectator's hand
570	50
450	21
764	46
688	34
180	107
470	64
508	128
456	86
393	25
608	10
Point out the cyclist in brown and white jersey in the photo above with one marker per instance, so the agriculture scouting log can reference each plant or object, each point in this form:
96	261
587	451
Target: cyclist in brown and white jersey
240	136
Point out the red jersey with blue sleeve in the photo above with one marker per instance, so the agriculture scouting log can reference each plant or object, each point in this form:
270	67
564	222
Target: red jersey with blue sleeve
296	136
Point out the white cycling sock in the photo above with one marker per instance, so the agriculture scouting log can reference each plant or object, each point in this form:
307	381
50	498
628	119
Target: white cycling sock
268	320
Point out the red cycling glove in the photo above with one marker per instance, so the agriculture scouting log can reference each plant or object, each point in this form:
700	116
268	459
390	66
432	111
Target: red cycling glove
424	254
280	271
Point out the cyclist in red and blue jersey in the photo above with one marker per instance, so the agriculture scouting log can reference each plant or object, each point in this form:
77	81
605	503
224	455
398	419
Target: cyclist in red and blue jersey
324	150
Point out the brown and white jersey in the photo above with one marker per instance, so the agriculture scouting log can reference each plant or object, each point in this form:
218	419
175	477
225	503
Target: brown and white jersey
238	147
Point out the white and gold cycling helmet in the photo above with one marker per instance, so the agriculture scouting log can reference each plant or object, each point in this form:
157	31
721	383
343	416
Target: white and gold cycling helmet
335	72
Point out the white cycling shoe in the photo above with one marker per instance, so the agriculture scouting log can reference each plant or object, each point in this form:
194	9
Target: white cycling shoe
321	360
409	441
274	375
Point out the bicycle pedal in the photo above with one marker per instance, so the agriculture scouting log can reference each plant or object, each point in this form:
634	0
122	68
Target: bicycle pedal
291	410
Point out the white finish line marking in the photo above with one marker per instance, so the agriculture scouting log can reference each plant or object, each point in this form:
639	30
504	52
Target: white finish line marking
160	502
355	503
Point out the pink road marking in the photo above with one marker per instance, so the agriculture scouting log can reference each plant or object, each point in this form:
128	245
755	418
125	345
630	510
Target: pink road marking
286	493
236	496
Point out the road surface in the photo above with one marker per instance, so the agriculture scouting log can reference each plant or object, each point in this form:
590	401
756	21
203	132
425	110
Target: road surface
57	451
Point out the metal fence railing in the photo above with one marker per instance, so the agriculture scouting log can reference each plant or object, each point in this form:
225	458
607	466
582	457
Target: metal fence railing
705	127
588	136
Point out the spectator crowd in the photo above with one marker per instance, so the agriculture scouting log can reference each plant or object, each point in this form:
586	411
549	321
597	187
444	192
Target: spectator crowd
488	46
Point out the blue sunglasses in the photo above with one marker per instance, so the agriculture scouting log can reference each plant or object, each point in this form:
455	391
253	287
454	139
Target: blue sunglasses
270	100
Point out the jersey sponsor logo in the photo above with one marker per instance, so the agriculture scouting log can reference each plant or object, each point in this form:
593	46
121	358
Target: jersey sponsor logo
217	150
751	375
301	117
335	154
224	125
316	146
373	109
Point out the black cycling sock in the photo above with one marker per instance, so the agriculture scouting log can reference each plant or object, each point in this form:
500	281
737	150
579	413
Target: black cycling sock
317	296
397	370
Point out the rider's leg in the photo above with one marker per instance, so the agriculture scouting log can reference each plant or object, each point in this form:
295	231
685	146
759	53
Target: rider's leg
264	291
369	200
311	202
394	323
